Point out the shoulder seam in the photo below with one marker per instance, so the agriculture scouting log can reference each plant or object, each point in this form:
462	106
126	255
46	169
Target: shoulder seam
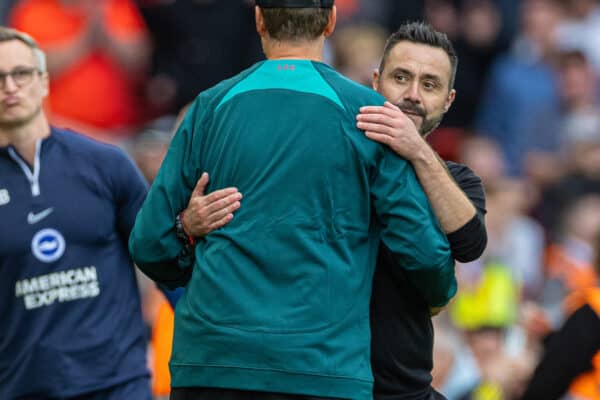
346	135
337	93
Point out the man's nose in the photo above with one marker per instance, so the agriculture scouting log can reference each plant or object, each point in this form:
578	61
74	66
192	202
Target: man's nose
412	93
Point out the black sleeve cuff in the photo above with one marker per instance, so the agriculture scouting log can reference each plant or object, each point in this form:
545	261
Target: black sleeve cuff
468	242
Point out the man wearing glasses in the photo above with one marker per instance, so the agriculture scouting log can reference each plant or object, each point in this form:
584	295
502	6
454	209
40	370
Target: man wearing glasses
72	324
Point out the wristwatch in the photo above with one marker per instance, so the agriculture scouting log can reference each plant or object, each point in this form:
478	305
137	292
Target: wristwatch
186	255
180	232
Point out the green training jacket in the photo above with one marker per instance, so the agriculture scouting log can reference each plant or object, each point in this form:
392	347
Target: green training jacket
278	299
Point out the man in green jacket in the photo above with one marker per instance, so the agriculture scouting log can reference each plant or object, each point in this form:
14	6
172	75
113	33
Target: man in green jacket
277	301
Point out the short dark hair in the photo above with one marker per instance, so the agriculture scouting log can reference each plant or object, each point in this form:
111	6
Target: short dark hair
422	33
9	34
295	24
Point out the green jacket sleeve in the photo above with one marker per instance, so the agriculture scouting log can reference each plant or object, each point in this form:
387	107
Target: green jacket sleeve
411	230
153	243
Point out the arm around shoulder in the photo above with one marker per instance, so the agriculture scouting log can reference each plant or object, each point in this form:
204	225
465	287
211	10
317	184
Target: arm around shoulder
411	230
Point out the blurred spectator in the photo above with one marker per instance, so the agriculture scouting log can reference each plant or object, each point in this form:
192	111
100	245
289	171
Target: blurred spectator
196	45
516	241
582	177
96	50
579	90
522	88
509	9
485	310
443	16
347	10
455	370
357	51
570	257
161	339
485	158
496	359
396	12
5	7
578	122
571	360
479	23
581	29
487	299
148	149
388	14
448	142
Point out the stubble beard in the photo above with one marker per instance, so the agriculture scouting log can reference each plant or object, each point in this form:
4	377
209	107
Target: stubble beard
430	124
11	124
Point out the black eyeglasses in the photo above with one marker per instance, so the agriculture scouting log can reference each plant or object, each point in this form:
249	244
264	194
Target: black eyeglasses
21	76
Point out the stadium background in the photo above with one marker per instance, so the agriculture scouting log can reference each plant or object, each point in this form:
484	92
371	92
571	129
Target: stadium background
526	120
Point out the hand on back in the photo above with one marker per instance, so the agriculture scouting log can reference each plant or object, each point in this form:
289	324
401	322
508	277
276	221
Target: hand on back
205	213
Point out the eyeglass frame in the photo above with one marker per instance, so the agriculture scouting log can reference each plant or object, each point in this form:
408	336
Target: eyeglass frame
19	82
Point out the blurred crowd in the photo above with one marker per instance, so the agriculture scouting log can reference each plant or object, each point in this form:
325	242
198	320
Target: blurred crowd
526	119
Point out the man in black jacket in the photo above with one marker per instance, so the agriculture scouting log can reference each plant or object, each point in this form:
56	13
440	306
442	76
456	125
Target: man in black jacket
417	75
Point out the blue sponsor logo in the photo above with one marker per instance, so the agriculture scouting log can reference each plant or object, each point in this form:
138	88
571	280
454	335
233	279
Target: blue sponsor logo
48	245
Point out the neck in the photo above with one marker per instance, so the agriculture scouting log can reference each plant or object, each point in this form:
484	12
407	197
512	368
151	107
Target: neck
302	50
24	137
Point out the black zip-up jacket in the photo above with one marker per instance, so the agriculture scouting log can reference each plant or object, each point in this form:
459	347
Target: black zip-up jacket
401	329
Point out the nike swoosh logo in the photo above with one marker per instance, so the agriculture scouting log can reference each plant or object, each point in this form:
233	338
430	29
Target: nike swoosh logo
34	218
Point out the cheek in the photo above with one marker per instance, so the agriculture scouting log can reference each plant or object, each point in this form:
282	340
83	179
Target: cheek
36	95
391	92
435	107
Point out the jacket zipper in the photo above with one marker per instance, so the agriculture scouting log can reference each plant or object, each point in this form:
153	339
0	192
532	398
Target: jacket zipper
32	176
